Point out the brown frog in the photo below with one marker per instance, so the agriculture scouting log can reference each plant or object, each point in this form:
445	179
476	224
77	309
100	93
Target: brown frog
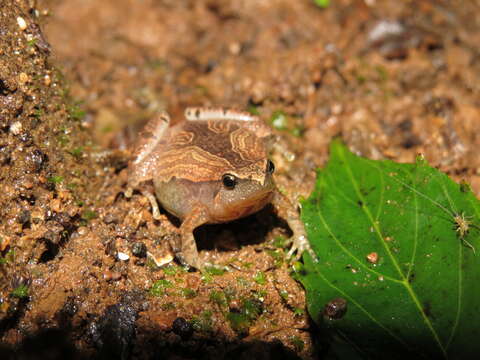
213	167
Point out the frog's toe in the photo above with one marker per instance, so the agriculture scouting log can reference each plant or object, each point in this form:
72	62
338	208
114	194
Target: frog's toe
217	266
153	202
299	246
189	263
294	253
181	260
174	240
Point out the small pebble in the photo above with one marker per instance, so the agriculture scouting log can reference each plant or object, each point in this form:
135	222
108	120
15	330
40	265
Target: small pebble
182	328
372	258
107	275
161	260
16	128
82	230
22	24
110	218
122	256
47	80
23	78
4	242
24	217
337	109
116	275
234	48
139	249
111	275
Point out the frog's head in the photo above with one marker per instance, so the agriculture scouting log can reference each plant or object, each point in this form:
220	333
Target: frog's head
223	163
244	191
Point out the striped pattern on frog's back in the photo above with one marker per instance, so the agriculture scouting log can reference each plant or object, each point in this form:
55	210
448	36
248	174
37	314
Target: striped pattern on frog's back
204	150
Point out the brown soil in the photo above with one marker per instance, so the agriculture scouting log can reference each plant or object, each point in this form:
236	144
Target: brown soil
392	78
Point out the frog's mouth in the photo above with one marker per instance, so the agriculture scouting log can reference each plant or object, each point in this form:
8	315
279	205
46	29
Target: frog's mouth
244	207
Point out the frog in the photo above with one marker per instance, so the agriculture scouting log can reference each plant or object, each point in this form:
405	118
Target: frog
211	167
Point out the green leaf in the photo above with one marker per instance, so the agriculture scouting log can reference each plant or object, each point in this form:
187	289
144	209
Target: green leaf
390	244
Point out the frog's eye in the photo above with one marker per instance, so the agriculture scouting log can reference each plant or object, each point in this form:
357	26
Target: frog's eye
229	181
270	167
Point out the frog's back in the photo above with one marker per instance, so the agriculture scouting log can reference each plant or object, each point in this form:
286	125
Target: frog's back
203	150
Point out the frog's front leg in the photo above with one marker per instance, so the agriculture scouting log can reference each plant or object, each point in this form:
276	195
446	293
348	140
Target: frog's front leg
189	253
153	202
286	210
